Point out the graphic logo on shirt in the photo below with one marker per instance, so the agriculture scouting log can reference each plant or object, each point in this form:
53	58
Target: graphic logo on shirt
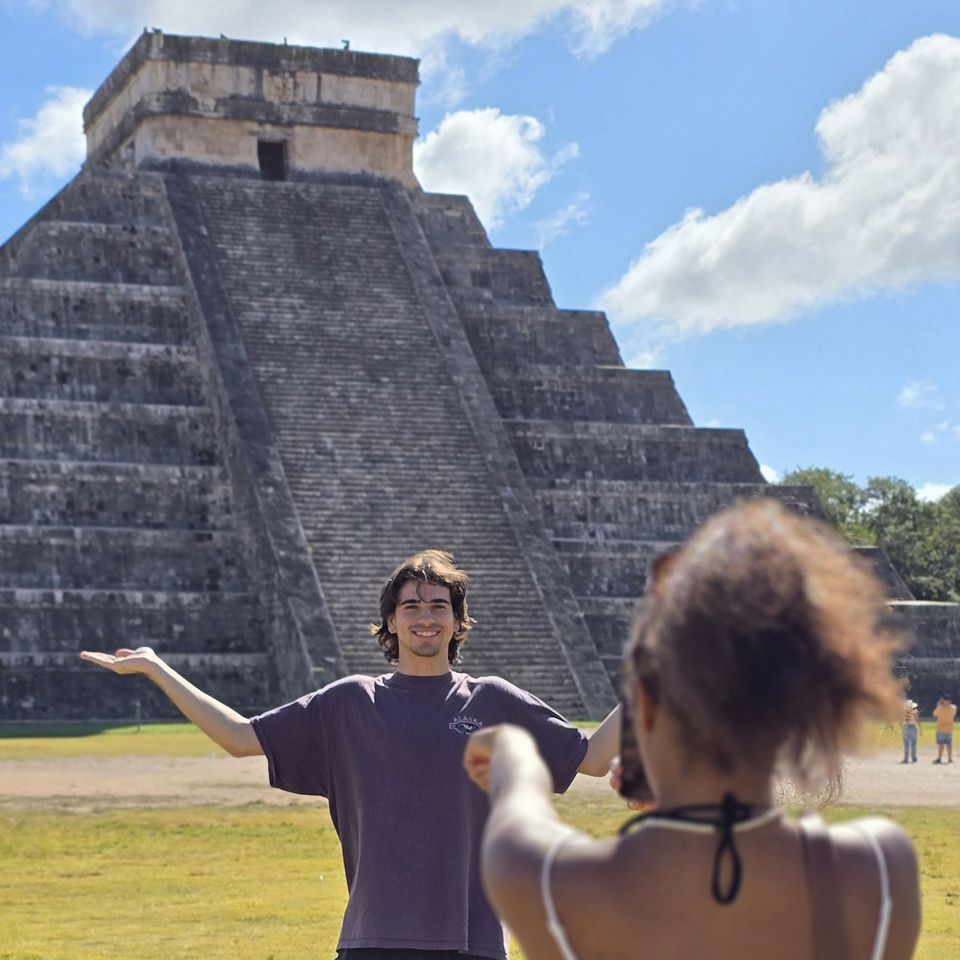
465	725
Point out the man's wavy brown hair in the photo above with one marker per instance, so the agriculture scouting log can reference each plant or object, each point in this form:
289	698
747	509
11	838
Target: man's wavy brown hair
428	566
768	639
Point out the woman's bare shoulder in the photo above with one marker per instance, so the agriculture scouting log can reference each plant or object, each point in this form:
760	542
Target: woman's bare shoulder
861	875
890	837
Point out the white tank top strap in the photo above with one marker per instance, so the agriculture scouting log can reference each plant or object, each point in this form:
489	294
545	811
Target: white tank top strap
886	901
553	921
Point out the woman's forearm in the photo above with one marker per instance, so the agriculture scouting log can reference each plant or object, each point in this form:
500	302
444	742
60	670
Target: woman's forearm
520	784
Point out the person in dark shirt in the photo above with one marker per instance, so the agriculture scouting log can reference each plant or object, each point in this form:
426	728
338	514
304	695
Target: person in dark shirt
387	753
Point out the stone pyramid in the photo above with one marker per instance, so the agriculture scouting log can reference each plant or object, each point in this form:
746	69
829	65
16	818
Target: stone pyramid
250	365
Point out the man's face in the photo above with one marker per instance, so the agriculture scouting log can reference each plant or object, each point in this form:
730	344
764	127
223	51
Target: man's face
424	623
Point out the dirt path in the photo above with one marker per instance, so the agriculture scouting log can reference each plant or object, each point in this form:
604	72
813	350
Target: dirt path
82	784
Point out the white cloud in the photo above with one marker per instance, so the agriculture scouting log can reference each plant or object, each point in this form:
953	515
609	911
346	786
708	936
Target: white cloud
933	491
598	24
885	215
563	221
413	27
644	359
494	158
937	431
448	85
769	474
917	393
50	144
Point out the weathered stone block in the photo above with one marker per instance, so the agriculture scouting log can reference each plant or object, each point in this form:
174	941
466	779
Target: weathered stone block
77	370
103	253
642	510
505	334
632	452
886	573
65	493
496	276
99	432
70	558
51	686
607	394
67	621
81	310
609	568
448	221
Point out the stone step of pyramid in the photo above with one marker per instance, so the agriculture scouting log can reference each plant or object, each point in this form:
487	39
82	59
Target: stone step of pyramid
607	394
885	572
632	510
32	367
80	310
609	620
77	494
930	675
610	568
619	451
507	334
111	253
66	621
106	432
560	528
71	558
50	685
934	626
494	275
448	221
123	199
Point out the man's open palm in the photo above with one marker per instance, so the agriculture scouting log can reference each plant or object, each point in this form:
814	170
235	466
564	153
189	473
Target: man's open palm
124	660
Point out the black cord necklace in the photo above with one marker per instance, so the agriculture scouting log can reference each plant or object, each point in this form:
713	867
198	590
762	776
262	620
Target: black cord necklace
722	817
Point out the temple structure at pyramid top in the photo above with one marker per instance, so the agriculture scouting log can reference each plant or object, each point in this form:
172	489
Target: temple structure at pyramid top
255	108
249	365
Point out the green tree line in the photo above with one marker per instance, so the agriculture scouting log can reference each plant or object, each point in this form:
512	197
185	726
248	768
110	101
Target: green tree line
921	537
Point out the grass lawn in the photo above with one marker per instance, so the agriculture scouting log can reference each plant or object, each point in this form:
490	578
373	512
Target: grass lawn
255	883
181	739
48	741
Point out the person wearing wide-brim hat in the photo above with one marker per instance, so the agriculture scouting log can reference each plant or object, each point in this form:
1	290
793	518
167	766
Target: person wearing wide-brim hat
910	729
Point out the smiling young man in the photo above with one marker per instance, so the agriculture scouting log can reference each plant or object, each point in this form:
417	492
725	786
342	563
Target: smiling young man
387	753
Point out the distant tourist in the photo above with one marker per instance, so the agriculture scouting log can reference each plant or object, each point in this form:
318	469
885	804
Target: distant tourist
387	752
945	713
759	646
910	729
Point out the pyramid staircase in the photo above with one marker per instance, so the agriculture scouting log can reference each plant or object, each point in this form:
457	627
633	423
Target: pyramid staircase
368	416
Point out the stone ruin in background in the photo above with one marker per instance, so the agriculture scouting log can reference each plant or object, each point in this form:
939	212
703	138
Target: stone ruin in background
249	365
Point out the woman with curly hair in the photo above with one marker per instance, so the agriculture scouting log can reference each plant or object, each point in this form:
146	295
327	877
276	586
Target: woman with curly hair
762	649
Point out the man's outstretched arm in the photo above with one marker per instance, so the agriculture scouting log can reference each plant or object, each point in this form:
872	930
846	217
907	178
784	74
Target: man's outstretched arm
220	723
603	746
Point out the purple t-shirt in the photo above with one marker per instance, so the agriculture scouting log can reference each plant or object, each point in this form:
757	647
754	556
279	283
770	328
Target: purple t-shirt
387	752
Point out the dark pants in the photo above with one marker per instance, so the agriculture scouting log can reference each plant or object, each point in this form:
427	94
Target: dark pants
377	953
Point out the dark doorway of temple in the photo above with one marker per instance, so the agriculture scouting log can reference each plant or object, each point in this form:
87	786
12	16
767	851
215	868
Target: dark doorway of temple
272	156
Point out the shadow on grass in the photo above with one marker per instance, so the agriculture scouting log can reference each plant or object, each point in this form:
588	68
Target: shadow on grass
52	729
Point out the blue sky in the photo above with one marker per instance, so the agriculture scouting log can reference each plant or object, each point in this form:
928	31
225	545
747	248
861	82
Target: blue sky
764	195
